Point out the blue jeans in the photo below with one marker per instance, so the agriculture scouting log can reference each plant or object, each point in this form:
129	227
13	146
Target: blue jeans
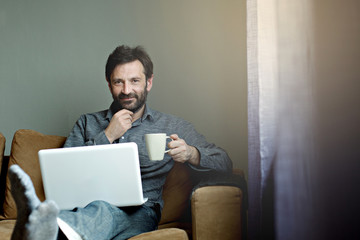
101	220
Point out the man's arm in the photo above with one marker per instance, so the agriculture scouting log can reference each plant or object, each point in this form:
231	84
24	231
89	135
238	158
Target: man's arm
195	150
78	135
94	129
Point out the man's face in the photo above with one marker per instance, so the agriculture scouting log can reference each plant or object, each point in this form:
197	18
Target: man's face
128	85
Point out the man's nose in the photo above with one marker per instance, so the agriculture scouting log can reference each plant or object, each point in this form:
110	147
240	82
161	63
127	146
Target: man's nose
126	88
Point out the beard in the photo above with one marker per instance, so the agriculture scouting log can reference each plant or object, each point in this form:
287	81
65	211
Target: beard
133	105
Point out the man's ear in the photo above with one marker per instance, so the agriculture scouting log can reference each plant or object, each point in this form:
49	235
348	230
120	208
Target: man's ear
109	85
149	83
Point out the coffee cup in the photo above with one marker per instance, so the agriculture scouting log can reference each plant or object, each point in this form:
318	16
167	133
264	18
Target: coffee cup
156	145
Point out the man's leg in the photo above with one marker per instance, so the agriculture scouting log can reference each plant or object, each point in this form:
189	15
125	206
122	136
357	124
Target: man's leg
98	220
35	220
101	220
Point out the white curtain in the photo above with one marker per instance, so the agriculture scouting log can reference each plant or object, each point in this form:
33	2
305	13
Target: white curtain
304	116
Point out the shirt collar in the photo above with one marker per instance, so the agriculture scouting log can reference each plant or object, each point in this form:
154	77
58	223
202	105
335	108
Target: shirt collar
148	113
111	111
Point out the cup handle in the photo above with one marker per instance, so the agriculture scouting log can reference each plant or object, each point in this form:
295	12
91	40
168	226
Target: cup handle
171	140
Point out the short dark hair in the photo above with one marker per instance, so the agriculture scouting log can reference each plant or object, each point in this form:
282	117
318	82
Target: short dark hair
124	54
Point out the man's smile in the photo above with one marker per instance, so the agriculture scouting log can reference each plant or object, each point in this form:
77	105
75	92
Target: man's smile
127	98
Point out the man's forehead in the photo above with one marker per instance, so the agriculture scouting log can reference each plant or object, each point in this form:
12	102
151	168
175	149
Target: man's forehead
131	68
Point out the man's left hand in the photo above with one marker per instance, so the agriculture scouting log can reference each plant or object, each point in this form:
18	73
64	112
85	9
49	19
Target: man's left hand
181	152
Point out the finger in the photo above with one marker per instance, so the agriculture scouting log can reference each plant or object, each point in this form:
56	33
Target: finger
130	118
129	114
178	151
173	152
125	111
175	143
174	137
124	114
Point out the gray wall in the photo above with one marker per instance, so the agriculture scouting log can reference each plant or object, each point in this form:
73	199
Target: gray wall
52	57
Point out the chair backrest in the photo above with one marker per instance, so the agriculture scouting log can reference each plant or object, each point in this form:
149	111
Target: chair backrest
176	193
24	152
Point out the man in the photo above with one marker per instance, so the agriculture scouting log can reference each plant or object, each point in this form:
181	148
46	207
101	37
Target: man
129	74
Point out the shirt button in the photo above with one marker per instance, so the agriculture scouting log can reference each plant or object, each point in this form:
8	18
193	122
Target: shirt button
122	137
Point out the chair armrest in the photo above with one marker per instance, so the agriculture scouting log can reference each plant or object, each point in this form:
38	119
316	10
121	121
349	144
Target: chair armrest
216	212
162	234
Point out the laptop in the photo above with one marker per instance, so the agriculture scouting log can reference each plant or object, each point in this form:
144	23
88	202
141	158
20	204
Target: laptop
74	177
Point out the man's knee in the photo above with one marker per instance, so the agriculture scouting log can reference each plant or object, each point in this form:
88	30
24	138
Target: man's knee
100	206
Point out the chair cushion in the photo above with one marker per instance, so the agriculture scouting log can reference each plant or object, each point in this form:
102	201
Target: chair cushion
6	229
24	152
164	234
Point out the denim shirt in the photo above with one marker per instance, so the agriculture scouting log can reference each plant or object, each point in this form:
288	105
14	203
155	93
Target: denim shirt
90	130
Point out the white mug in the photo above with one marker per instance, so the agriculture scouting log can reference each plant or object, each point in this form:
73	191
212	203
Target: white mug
155	145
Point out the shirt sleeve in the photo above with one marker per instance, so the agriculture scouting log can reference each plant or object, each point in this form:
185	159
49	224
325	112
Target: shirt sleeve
211	156
81	136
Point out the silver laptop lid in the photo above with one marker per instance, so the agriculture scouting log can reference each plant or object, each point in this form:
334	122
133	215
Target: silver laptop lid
74	177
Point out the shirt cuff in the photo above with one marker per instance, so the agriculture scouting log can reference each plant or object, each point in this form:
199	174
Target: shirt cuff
101	139
200	166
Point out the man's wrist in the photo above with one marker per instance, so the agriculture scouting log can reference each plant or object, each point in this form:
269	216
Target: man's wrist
108	136
194	156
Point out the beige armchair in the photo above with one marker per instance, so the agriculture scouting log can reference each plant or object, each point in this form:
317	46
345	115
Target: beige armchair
209	212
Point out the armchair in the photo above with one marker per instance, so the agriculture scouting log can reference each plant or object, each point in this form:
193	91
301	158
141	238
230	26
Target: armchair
214	212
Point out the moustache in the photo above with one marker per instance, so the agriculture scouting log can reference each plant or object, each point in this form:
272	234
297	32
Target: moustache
131	95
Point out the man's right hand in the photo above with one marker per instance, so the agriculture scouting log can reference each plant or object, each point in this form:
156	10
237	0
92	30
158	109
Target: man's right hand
119	124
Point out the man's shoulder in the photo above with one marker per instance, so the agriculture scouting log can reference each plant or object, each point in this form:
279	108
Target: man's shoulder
167	117
95	115
161	115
